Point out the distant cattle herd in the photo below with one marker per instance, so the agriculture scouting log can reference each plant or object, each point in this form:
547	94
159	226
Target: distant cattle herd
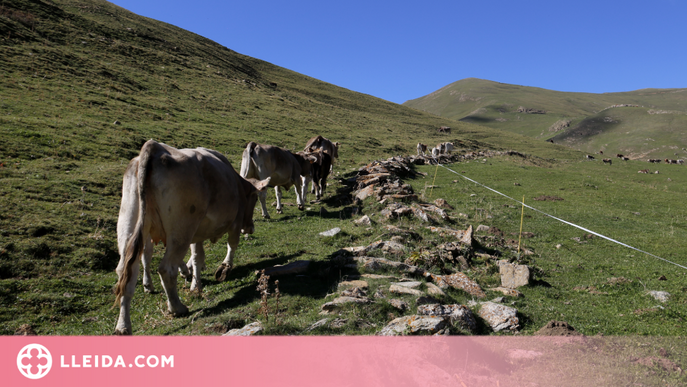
625	158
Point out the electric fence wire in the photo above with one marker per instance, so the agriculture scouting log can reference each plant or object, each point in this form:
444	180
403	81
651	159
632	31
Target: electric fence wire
558	219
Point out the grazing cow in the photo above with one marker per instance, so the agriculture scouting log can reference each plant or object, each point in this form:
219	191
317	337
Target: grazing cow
601	152
643	171
180	197
589	157
448	147
284	167
421	148
618	155
655	161
680	161
319	142
626	158
331	148
608	161
671	161
444	129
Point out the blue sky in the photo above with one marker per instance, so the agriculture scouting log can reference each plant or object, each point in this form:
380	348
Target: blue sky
401	50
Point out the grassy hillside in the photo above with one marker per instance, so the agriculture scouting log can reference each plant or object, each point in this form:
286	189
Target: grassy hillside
86	83
570	117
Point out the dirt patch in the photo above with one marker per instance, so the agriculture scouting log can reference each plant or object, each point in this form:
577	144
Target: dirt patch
663	363
545	198
557	328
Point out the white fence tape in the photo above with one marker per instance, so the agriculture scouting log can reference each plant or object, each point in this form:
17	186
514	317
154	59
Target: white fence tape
561	220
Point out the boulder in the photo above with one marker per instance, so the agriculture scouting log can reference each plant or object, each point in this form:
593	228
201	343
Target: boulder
397	289
458	281
514	276
331	232
500	317
414	325
248	330
459	315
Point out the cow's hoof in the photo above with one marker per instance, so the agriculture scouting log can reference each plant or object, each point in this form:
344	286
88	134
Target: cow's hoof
301	207
222	271
122	332
181	313
266	216
279	211
149	288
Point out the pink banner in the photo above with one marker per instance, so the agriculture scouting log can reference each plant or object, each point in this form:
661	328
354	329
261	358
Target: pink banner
304	361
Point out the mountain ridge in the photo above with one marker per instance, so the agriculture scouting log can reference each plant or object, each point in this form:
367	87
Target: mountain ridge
563	117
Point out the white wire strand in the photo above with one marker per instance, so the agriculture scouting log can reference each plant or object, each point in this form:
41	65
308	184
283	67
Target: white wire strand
558	219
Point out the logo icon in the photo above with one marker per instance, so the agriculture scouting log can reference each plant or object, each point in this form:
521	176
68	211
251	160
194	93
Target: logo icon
34	361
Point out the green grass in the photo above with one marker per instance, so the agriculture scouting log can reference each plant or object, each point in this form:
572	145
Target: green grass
641	210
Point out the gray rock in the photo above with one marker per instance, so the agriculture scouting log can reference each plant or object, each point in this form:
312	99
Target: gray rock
365	221
317	324
459	315
408	284
483	227
248	330
434	290
397	289
500	317
413	325
514	276
659	295
399	304
331	232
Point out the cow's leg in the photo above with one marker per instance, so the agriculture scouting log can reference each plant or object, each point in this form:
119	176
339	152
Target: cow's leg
300	194
147	276
225	267
277	191
123	326
323	185
263	199
195	266
173	258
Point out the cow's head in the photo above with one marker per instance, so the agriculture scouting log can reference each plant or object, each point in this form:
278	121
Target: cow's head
256	186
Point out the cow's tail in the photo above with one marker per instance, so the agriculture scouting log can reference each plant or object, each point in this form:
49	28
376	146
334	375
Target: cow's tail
247	160
136	242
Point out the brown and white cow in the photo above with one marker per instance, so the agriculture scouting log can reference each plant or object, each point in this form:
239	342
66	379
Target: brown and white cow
608	161
421	149
284	167
180	197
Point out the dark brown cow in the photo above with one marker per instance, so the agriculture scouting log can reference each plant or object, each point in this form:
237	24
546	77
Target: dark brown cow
608	161
320	172
180	197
